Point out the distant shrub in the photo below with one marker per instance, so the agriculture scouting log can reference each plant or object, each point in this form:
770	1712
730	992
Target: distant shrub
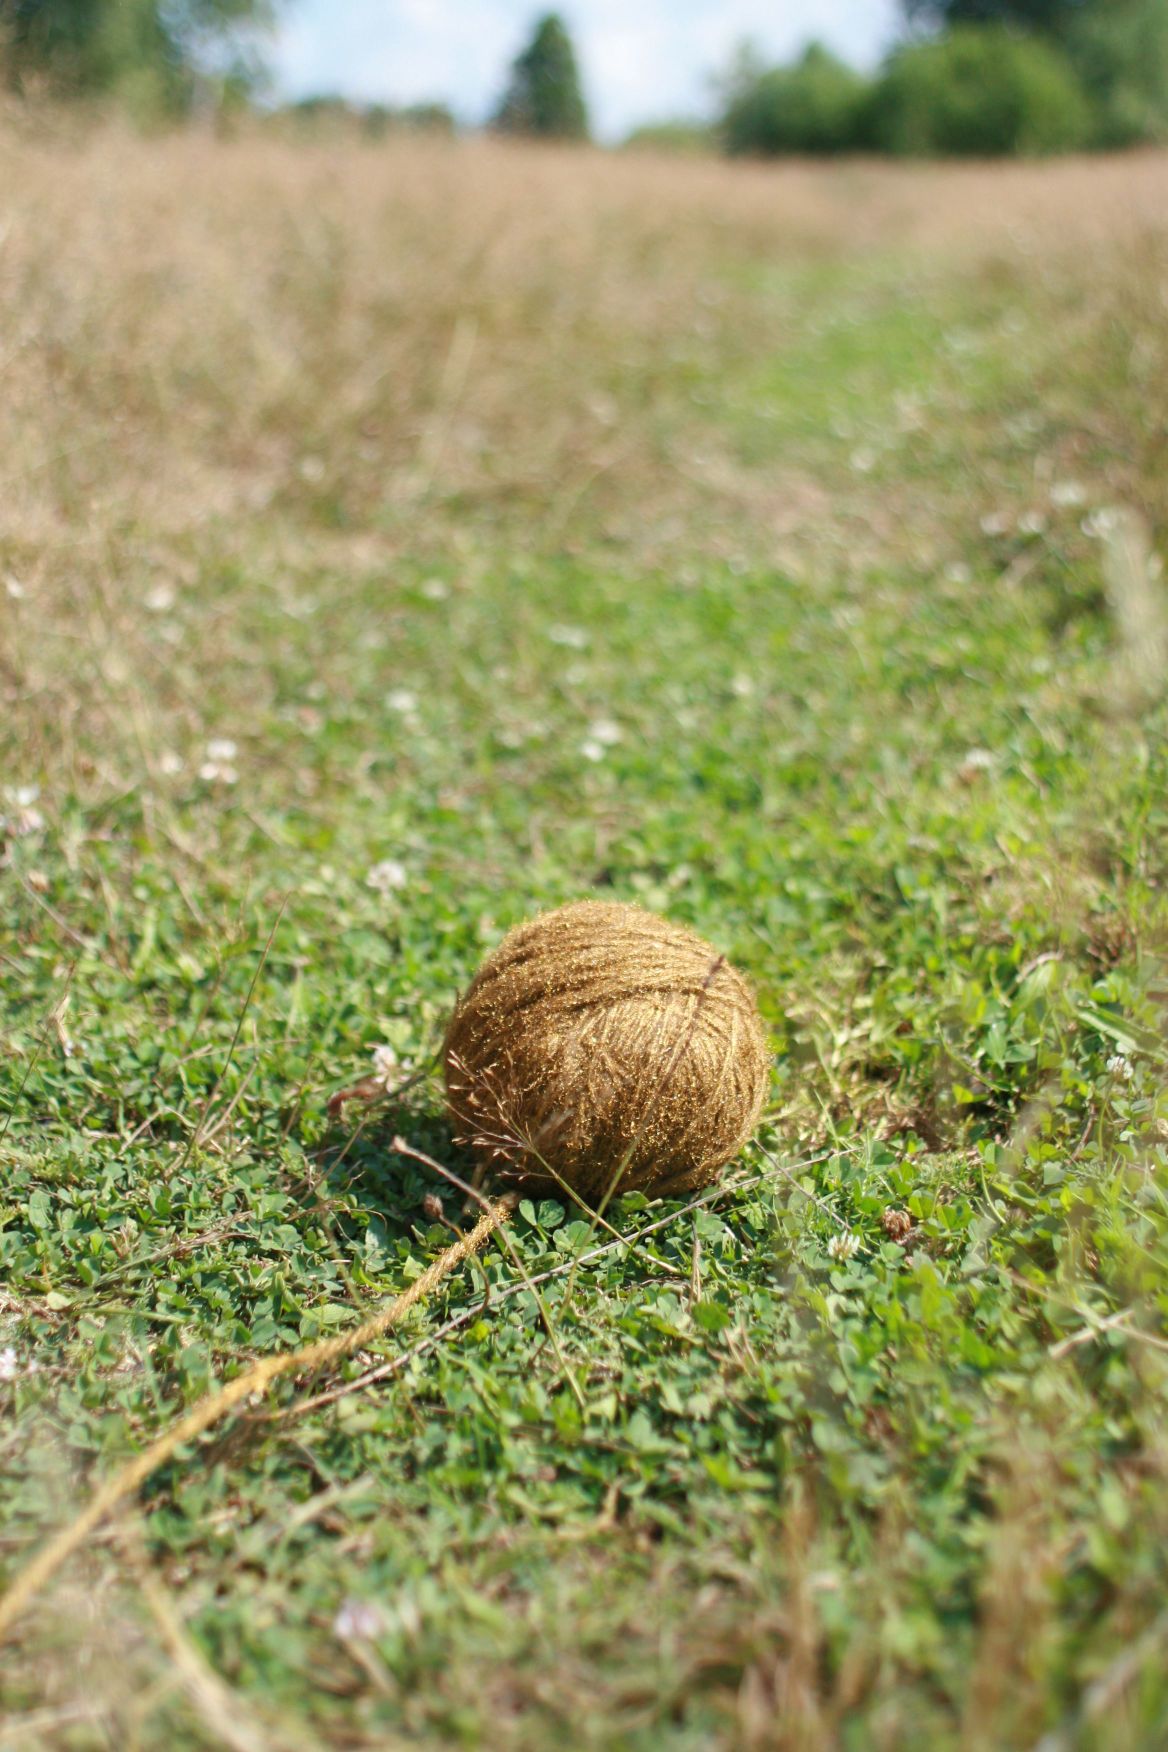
672	137
325	116
1120	51
379	119
980	91
817	106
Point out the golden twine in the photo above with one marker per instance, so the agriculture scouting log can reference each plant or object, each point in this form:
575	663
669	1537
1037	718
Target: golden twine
208	1411
606	1048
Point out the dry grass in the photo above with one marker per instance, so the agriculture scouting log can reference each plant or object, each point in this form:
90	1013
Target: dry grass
340	355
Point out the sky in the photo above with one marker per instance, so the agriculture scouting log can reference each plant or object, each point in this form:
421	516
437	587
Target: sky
641	60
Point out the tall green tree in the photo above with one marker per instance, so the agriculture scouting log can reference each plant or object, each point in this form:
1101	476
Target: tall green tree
544	95
1118	49
94	47
1045	15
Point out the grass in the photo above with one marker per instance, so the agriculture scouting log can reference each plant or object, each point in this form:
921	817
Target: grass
401	470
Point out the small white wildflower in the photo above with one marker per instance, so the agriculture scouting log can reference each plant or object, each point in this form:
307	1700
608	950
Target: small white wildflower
1067	494
995	523
1098	525
1032	523
606	731
434	590
217	769
574	638
863	460
845	1246
218	772
957	572
26	818
9	1366
592	750
742	687
1118	1066
170	763
401	699
312	469
510	736
160	598
14	587
976	761
386	1063
387	876
358	1621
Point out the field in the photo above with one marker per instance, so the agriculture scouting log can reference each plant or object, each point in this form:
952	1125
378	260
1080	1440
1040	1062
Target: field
394	540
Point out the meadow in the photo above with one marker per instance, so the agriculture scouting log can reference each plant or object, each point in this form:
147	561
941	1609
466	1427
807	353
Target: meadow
396	539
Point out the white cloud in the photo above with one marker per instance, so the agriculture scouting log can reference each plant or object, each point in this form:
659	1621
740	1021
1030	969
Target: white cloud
641	59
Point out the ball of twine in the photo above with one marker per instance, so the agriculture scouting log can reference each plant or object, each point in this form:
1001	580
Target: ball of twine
607	1048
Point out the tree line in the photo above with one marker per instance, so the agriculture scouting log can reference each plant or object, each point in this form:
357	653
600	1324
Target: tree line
973	77
977	77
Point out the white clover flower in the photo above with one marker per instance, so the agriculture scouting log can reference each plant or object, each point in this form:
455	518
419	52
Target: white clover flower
845	1246
217	769
160	598
957	572
995	523
1032	523
402	699
358	1621
14	587
170	763
574	638
592	750
1098	525
387	876
742	687
26	818
863	460
1068	494
386	1064
218	772
606	731
977	760
9	1365
434	590
1119	1066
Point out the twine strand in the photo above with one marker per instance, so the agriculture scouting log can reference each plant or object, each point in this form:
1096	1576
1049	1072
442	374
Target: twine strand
318	1355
